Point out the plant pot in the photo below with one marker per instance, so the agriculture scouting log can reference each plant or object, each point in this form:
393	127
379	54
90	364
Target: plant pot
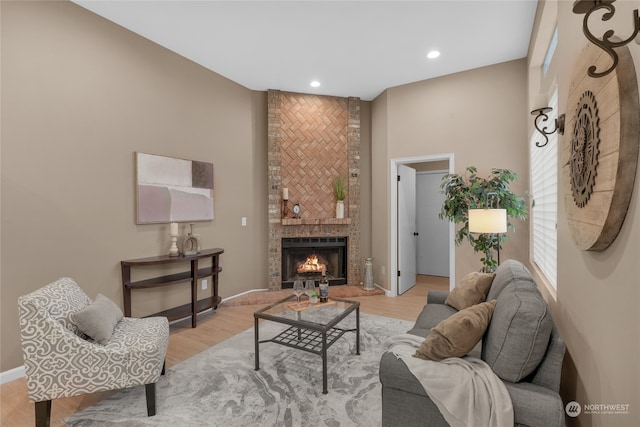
340	209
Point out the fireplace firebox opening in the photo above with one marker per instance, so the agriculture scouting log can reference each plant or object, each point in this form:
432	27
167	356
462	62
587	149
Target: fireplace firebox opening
303	258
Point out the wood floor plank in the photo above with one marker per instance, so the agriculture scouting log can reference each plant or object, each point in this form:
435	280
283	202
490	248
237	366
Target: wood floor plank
213	327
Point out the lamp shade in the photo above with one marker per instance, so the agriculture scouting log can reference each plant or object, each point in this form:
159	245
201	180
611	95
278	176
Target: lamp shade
487	221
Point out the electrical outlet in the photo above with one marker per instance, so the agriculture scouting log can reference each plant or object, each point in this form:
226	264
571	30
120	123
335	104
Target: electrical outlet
204	284
244	221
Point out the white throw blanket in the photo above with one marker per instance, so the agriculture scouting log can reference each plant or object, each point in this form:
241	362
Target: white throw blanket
465	390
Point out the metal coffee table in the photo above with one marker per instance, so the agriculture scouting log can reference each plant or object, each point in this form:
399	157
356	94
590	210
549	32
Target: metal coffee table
312	330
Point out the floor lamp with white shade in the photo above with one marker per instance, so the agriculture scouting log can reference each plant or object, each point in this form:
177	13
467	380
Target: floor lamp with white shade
488	221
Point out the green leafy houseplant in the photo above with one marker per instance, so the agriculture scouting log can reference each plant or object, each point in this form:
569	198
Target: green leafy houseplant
313	297
470	192
340	187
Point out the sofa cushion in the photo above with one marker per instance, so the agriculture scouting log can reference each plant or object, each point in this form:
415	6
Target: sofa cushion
458	334
98	319
470	291
518	335
506	273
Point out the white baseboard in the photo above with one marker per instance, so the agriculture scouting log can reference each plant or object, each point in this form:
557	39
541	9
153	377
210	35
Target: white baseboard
12	374
223	300
386	291
243	293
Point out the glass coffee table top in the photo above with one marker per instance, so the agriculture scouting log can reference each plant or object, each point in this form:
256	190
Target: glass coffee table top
320	314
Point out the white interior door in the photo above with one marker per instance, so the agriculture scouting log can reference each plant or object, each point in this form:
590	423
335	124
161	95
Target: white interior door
433	232
407	237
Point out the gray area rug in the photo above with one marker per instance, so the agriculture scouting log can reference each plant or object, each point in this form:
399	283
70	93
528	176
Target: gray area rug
219	387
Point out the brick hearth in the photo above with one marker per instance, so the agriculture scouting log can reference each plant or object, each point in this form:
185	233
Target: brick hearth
311	140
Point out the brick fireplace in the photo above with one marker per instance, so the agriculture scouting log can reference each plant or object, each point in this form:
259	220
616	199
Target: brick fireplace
311	140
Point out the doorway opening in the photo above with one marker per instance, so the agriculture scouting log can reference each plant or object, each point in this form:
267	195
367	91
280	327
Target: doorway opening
406	199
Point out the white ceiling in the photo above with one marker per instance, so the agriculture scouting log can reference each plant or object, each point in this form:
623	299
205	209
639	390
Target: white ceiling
354	48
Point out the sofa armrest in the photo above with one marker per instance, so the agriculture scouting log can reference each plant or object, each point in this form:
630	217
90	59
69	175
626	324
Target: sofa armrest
395	374
404	401
534	405
549	371
437	297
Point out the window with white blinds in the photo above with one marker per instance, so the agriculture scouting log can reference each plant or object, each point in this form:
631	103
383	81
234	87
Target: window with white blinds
544	192
550	51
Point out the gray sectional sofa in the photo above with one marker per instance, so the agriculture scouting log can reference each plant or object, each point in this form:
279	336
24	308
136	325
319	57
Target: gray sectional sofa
521	344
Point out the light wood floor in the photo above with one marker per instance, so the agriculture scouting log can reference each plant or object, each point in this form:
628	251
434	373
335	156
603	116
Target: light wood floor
17	411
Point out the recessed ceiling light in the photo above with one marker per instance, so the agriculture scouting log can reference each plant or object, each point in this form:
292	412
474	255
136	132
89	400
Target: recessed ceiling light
433	54
315	83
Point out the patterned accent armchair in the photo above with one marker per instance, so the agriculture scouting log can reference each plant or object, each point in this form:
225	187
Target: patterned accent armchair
60	361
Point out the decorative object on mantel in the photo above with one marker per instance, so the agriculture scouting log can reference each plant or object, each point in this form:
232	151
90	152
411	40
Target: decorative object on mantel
191	245
169	189
463	193
541	118
285	201
587	7
340	186
296	211
340	209
601	157
173	232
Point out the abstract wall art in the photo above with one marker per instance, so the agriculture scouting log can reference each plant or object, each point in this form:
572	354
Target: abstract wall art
173	190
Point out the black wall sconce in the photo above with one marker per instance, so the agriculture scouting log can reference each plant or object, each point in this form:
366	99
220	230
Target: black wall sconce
541	118
588	7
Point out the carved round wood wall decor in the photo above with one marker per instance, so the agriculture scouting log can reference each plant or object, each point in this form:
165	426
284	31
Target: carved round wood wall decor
585	148
601	155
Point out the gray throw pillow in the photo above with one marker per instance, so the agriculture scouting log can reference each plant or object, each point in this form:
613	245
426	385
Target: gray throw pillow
518	335
98	319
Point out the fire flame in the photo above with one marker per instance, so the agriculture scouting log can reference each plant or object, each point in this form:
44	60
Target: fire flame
311	265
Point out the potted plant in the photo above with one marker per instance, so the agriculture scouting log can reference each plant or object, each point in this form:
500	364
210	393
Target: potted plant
313	297
340	191
470	192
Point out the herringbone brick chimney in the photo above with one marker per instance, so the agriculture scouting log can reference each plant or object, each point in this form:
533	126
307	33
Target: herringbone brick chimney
311	140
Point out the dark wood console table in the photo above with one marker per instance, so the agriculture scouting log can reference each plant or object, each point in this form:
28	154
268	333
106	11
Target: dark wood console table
193	275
